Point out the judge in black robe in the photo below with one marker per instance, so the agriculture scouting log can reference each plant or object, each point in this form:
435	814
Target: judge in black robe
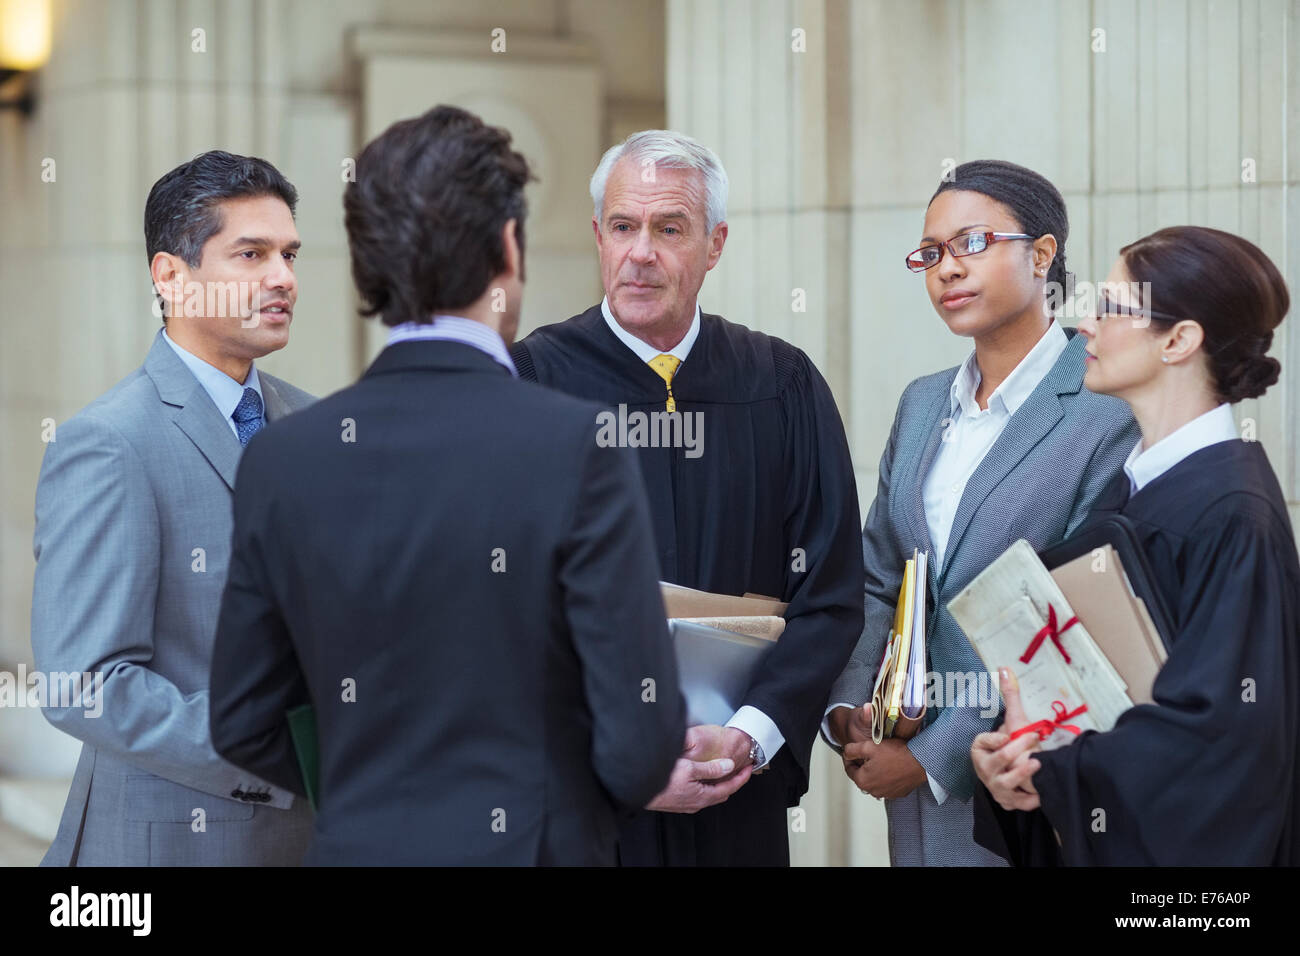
765	503
1207	775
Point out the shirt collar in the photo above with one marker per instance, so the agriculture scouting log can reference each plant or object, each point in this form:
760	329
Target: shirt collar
1017	386
455	328
1144	467
644	351
224	391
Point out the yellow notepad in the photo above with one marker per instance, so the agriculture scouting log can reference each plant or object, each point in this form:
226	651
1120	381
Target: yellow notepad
904	659
903	652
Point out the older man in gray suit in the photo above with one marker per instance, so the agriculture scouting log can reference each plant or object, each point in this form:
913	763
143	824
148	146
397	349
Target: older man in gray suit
133	531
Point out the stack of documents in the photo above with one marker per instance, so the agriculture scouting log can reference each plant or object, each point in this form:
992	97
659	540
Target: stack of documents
898	697
720	641
1079	641
1118	620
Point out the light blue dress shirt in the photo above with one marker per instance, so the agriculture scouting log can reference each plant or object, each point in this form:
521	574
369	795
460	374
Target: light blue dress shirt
224	391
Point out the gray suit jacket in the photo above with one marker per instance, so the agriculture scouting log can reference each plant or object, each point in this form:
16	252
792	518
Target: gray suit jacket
132	543
1037	482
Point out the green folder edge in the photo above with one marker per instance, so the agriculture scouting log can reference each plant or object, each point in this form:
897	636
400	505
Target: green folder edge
302	728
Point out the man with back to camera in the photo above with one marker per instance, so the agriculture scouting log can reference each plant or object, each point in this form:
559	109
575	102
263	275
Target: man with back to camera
133	530
444	561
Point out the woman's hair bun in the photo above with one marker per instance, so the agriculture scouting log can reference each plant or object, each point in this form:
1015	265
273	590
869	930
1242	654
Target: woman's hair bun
1249	377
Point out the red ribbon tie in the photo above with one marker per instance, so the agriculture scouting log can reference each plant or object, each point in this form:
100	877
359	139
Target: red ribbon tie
1045	728
1049	630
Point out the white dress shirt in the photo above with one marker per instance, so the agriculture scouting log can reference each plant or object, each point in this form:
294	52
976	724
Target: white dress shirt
1144	467
969	433
455	328
224	391
749	720
644	351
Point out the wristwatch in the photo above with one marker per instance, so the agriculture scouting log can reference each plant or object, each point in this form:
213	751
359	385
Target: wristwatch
756	755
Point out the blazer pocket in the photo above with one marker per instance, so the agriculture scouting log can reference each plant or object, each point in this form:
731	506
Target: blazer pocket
154	799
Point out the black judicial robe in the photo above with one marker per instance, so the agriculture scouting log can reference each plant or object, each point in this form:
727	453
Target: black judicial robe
767	504
1208	774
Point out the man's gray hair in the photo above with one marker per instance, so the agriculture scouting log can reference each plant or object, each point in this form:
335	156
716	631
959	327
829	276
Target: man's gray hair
667	149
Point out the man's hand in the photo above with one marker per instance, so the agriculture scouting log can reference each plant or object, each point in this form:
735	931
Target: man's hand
736	744
711	742
849	725
706	773
1002	764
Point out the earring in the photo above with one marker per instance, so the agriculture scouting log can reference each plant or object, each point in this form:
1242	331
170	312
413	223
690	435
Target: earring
1165	359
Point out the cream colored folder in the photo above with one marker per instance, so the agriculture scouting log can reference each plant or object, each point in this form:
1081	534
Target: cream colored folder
1116	618
687	602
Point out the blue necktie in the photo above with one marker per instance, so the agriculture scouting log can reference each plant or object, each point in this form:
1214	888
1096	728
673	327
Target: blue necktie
248	415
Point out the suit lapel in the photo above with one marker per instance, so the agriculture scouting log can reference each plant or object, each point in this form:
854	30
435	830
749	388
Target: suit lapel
935	413
276	407
193	411
1025	429
201	421
1030	424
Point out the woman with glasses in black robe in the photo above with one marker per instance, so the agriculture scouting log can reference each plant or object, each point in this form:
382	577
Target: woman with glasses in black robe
1206	775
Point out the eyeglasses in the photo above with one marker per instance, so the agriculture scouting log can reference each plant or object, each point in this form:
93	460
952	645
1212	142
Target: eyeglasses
966	244
1107	307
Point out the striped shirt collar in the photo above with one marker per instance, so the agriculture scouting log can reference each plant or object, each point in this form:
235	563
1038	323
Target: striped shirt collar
455	328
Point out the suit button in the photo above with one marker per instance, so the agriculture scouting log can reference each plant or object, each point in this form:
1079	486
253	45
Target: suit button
237	794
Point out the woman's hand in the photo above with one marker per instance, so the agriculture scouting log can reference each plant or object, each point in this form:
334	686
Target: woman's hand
886	770
850	725
1002	764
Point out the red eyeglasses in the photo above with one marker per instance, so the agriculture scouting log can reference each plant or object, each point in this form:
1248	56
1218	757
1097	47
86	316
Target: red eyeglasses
967	244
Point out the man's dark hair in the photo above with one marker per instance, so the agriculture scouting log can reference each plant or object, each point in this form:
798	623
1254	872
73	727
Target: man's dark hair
183	210
425	214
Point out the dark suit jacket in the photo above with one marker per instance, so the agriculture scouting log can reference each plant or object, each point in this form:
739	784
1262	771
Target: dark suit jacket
463	584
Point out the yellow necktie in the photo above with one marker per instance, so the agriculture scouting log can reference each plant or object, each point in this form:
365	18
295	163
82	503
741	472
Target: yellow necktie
666	366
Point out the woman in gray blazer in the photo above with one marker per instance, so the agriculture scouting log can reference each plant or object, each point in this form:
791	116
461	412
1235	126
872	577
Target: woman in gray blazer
1007	446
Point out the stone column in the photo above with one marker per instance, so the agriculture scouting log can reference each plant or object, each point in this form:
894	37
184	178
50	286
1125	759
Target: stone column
765	86
1145	114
